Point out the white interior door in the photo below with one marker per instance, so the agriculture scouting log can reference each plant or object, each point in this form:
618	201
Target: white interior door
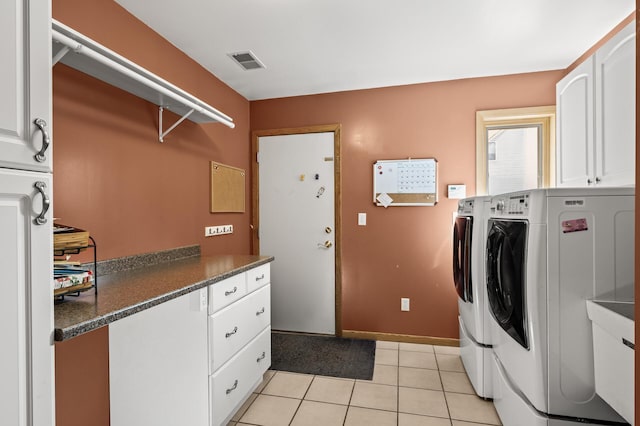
297	226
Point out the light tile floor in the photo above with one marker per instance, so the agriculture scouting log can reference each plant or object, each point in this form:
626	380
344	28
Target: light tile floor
412	385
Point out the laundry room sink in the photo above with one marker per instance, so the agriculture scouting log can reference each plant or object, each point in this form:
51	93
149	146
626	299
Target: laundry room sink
613	353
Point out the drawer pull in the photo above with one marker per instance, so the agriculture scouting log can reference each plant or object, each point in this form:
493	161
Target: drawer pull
232	388
261	277
235	330
261	357
628	344
229	292
260	312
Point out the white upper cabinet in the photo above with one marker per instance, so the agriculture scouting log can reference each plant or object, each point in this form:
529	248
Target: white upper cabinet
595	106
615	109
574	109
25	85
26	243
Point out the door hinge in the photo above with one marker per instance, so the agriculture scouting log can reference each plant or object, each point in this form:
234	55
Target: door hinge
258	157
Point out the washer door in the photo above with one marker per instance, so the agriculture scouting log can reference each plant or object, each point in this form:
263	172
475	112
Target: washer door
462	257
506	248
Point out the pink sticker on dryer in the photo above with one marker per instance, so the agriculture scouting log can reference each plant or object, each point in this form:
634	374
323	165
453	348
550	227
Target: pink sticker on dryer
574	225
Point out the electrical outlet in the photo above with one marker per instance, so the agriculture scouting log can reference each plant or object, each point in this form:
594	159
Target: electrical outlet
210	231
404	304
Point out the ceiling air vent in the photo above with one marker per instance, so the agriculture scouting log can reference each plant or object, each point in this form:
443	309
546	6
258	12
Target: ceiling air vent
247	60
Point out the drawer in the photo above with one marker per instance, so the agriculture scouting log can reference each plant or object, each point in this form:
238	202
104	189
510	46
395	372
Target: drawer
226	292
258	277
230	385
231	328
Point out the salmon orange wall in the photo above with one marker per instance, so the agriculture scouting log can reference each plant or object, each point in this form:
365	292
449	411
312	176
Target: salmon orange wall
404	251
134	194
112	176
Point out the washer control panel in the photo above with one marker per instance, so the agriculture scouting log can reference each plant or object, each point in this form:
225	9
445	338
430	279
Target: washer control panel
510	205
465	206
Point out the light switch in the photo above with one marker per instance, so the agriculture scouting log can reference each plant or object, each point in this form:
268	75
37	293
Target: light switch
362	219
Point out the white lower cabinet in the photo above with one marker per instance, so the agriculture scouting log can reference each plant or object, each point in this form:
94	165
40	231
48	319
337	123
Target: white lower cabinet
226	292
239	343
231	384
192	360
158	365
233	328
257	277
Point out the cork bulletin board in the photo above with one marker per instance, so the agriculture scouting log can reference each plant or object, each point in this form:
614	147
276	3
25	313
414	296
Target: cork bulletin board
227	189
412	182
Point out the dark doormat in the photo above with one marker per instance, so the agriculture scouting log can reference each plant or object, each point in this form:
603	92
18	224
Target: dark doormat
323	355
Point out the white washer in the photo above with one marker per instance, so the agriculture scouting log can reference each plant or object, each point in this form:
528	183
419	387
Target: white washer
468	270
548	251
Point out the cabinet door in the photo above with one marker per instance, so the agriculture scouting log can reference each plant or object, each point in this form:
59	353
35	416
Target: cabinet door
158	373
615	109
574	144
25	83
26	305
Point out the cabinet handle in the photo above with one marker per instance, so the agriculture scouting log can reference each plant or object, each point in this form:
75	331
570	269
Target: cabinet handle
597	179
260	312
42	125
46	203
227	293
235	330
232	388
261	277
261	357
589	181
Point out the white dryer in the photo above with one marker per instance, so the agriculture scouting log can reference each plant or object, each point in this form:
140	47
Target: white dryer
548	251
469	233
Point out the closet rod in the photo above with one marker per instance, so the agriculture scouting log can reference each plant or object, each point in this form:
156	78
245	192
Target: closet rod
87	51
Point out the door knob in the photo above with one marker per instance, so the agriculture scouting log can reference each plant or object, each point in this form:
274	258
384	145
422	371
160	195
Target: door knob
327	244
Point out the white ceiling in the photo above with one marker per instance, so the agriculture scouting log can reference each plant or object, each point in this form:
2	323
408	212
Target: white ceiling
319	46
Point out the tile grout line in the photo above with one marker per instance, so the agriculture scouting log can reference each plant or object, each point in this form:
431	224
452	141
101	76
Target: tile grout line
354	382
398	388
344	421
258	394
444	393
303	396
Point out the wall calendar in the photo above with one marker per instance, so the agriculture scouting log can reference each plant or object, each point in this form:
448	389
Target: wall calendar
412	182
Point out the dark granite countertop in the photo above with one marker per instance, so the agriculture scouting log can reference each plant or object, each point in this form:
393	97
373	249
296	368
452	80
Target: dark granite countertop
121	294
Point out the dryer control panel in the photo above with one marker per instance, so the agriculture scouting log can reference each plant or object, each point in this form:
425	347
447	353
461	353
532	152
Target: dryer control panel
511	205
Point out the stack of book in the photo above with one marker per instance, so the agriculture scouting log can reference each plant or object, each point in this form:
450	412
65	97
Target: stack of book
71	276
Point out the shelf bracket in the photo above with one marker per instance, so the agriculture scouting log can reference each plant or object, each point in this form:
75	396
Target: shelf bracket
162	134
60	55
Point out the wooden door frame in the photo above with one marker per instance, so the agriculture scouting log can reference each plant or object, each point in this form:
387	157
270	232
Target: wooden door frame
255	189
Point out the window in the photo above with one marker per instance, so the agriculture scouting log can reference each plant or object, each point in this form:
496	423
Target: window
514	149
